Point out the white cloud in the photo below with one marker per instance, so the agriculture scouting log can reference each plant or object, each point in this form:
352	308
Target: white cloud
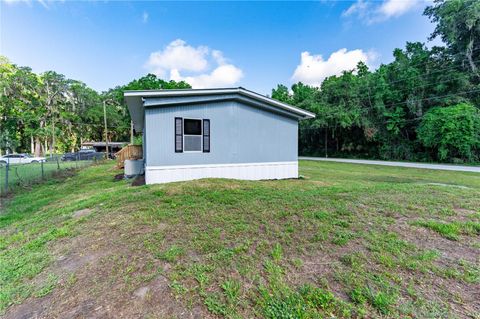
179	57
313	69
29	2
360	7
395	8
222	76
145	17
370	11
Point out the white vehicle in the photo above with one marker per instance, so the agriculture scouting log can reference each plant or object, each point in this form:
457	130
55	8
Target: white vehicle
20	159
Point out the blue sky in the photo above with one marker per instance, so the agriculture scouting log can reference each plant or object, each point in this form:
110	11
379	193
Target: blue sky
251	44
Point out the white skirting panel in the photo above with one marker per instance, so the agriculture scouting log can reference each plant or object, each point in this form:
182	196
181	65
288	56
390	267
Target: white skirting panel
246	171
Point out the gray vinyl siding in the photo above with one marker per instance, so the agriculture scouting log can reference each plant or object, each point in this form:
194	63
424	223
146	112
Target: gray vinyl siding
239	134
144	147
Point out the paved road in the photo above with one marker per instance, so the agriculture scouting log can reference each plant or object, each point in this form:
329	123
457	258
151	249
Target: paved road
475	169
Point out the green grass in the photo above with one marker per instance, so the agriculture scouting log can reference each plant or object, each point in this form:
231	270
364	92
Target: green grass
346	241
451	230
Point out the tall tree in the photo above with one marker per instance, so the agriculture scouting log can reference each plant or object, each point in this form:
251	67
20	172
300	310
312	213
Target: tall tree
54	91
458	25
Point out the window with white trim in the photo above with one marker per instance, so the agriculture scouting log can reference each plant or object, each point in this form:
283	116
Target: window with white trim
192	135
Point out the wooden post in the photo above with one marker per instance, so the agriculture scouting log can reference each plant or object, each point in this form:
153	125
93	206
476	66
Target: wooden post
131	132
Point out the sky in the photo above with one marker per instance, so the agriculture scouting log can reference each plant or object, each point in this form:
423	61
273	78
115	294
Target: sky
256	45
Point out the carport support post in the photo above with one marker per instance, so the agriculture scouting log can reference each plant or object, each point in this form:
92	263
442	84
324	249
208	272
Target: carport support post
106	129
131	132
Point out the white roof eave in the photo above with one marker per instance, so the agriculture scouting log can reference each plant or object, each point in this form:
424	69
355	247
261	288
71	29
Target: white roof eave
139	95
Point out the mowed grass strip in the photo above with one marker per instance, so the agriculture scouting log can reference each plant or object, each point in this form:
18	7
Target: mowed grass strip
345	241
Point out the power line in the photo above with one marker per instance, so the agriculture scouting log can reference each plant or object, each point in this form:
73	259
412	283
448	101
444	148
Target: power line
389	83
430	98
74	123
426	62
420	86
434	97
366	95
420	75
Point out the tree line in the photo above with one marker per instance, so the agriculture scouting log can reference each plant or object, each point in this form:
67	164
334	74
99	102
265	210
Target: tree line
48	113
423	106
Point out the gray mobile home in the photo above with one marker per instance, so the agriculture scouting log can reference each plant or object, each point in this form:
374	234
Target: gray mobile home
223	133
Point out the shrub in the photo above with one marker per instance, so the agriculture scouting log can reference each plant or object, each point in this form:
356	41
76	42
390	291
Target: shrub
453	132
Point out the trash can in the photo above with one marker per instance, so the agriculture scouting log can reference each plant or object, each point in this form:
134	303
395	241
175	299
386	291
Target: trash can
133	168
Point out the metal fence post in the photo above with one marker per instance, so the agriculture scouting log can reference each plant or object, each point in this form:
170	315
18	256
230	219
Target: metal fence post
43	173
58	164
6	176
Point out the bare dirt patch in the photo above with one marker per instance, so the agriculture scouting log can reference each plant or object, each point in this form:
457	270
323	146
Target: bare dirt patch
82	213
427	239
462	297
35	308
322	264
104	275
139	181
449	185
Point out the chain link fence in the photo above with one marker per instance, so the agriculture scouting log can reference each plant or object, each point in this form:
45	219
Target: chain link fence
14	174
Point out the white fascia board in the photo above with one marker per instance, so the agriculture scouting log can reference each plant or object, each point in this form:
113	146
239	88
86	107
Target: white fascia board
277	103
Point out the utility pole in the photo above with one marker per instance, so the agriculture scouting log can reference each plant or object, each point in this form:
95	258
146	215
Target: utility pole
106	129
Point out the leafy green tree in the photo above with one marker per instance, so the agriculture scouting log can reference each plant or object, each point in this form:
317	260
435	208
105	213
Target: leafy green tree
458	25
118	115
453	132
53	91
281	94
19	105
388	113
50	111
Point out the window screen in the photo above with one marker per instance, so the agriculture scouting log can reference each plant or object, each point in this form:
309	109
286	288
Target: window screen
193	143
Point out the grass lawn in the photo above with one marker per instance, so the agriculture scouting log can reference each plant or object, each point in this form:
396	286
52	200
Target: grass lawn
347	241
